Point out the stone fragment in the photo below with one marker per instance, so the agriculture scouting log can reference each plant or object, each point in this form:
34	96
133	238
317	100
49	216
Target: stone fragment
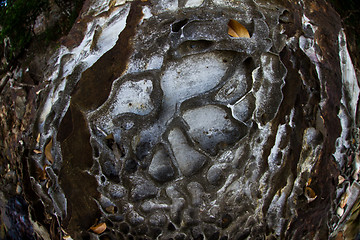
116	191
214	174
211	126
160	167
188	159
142	189
244	108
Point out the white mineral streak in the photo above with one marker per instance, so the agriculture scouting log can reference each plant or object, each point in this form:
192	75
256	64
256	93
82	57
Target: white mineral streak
277	206
307	45
350	84
193	3
189	80
147	12
168	5
349	100
276	159
52	98
108	29
130	97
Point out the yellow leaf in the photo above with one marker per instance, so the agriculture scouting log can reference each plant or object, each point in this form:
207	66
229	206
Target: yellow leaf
341	179
236	29
38	138
110	137
37	151
48	151
98	229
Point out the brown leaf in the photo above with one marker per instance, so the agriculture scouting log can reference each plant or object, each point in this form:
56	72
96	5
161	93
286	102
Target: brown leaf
110	209
48	151
344	199
110	137
42	174
310	194
98	229
236	29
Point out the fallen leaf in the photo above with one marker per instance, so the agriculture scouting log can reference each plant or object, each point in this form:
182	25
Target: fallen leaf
110	137
341	179
110	209
236	29
310	194
37	151
38	138
98	229
48	151
344	199
42	174
308	182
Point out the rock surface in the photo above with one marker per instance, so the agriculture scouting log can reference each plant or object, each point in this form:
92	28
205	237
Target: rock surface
158	122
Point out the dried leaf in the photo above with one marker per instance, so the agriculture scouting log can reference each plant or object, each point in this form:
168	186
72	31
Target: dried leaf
236	29
308	182
98	229
42	174
38	138
48	151
341	179
110	137
110	209
310	194
37	151
344	200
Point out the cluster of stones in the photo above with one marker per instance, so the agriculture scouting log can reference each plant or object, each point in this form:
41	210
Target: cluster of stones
193	139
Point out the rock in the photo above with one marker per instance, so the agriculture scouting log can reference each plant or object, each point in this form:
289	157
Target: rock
160	167
211	126
188	159
142	189
185	130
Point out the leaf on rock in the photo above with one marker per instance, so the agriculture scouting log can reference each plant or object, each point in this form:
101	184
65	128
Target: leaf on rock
42	174
37	151
236	29
48	151
310	194
341	179
110	137
344	199
110	209
98	229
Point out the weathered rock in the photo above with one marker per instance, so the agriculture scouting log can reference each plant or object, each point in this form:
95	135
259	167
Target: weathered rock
189	132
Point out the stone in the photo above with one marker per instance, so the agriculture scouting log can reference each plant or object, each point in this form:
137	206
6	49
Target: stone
184	130
188	159
160	167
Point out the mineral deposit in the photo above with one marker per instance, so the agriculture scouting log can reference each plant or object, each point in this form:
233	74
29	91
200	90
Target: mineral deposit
159	123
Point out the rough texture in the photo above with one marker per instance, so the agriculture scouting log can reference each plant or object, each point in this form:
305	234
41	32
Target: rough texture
158	123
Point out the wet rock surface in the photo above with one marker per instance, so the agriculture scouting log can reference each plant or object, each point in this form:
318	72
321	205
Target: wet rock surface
161	125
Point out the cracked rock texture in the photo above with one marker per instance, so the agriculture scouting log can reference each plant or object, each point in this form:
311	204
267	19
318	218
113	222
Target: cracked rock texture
158	123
